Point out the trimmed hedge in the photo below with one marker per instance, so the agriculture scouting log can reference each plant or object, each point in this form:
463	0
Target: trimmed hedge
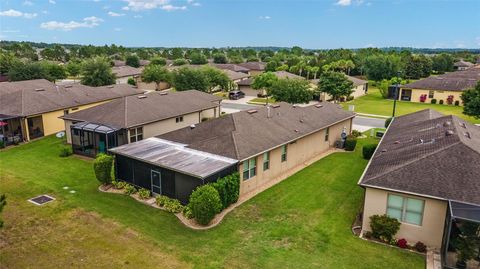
368	151
205	203
387	122
228	188
433	101
350	143
384	227
102	166
441	102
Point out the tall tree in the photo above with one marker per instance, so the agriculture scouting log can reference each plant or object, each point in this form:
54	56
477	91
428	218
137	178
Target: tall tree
156	73
335	84
293	91
73	69
27	71
54	71
97	72
190	79
198	58
158	61
220	58
132	60
471	101
264	82
7	61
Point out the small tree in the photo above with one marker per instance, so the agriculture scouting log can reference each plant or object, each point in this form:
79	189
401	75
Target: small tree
157	74
220	58
178	62
228	188
205	203
132	60
335	84
97	72
73	69
189	78
368	151
264	81
158	61
103	166
54	71
293	91
198	58
26	71
216	78
3	202
471	101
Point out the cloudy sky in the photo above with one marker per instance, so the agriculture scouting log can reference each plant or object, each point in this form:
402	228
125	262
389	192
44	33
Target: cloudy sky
219	23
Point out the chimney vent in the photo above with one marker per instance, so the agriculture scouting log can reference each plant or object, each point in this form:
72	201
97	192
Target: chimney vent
192	126
268	111
318	105
141	96
447	123
251	111
163	93
40	90
448	133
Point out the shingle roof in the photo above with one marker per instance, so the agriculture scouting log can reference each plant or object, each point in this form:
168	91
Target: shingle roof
233	67
454	81
285	74
257	66
463	63
132	111
126	71
427	153
245	82
242	135
31	97
232	75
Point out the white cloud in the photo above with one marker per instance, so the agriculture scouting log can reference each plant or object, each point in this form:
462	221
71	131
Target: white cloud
264	17
113	14
138	16
173	8
16	13
10	31
140	5
344	2
477	40
196	4
52	2
27	3
88	22
117	29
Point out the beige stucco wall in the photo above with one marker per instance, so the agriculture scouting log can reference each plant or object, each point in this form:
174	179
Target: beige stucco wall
431	231
357	92
302	150
439	95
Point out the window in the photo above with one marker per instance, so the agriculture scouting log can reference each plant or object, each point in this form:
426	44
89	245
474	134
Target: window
431	94
136	134
249	168
405	209
327	133
179	119
266	161
65	112
284	153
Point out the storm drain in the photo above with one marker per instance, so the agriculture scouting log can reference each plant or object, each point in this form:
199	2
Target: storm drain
41	200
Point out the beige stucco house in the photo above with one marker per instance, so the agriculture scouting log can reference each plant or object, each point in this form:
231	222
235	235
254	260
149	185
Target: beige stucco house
360	88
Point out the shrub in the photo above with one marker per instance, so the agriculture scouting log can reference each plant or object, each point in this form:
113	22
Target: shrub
350	143
402	243
367	234
187	212
228	188
349	98
132	82
173	206
368	151
457	103
420	247
144	193
129	189
441	102
2	144
356	133
433	101
102	166
387	122
205	203
64	152
384	226
119	184
161	200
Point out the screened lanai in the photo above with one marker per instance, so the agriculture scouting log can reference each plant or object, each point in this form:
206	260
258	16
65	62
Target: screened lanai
461	243
90	139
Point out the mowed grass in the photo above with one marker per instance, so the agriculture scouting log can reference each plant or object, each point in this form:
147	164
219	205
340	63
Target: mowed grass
374	103
303	222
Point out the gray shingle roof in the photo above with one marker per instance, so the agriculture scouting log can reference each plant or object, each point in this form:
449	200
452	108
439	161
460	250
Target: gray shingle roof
243	134
126	71
232	75
31	97
454	81
463	63
257	66
233	67
132	111
285	74
429	154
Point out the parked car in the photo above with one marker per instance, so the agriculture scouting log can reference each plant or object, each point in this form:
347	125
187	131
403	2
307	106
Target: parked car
235	95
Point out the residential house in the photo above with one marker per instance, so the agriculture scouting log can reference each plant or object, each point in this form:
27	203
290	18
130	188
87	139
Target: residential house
265	145
360	88
246	84
256	68
232	67
447	87
31	108
426	173
462	65
134	118
123	73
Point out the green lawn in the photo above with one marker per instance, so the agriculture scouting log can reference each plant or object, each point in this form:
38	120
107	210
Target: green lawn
303	222
374	103
262	100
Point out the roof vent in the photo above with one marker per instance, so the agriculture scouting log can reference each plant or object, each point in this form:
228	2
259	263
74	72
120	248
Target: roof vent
421	141
438	125
40	90
301	120
275	105
396	142
384	150
163	93
448	132
447	123
192	126
296	130
467	135
294	106
318	105
67	86
141	96
463	125
110	86
251	111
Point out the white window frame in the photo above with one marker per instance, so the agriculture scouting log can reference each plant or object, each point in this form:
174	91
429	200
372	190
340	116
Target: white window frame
404	208
284	157
249	168
327	134
179	119
266	161
136	134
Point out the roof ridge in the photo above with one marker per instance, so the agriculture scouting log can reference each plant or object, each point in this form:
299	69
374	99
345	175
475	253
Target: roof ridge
125	113
23	101
233	136
415	160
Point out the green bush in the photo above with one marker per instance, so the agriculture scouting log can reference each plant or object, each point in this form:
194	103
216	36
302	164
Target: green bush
441	102
387	122
187	212
350	143
129	189
384	227
228	188
102	166
368	151
2	144
205	203
169	204
161	200
144	193
457	103
131	81
65	151
356	133
433	101
118	184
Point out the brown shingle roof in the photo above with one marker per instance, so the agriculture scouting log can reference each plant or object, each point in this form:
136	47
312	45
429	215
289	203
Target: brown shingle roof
427	153
454	81
285	74
233	67
126	71
232	75
257	66
132	111
31	97
463	63
243	134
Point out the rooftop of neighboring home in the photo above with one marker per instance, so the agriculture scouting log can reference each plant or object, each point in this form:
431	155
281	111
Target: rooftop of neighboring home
232	75
31	97
126	71
463	63
428	154
454	81
356	81
285	74
137	110
256	66
118	63
232	67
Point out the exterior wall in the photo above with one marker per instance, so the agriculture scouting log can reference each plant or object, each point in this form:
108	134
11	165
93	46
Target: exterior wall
431	231
439	95
304	149
68	132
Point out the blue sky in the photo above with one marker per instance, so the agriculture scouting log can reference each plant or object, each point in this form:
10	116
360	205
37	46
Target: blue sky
220	23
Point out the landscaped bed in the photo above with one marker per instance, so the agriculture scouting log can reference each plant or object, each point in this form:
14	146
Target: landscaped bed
304	221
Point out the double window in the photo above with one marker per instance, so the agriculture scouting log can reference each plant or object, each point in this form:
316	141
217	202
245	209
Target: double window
284	153
179	119
266	161
136	134
431	94
405	209
249	168
327	133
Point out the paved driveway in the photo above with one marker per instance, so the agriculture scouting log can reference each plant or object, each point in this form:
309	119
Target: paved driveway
364	123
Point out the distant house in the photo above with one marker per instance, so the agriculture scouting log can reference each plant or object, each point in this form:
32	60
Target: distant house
246	85
31	108
232	67
360	88
265	145
235	77
425	173
134	118
462	65
123	73
447	87
256	68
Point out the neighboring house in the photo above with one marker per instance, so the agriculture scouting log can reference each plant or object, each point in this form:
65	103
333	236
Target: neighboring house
360	88
123	73
462	65
134	118
426	173
246	85
256	68
285	74
265	145
232	67
235	77
31	107
447	87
